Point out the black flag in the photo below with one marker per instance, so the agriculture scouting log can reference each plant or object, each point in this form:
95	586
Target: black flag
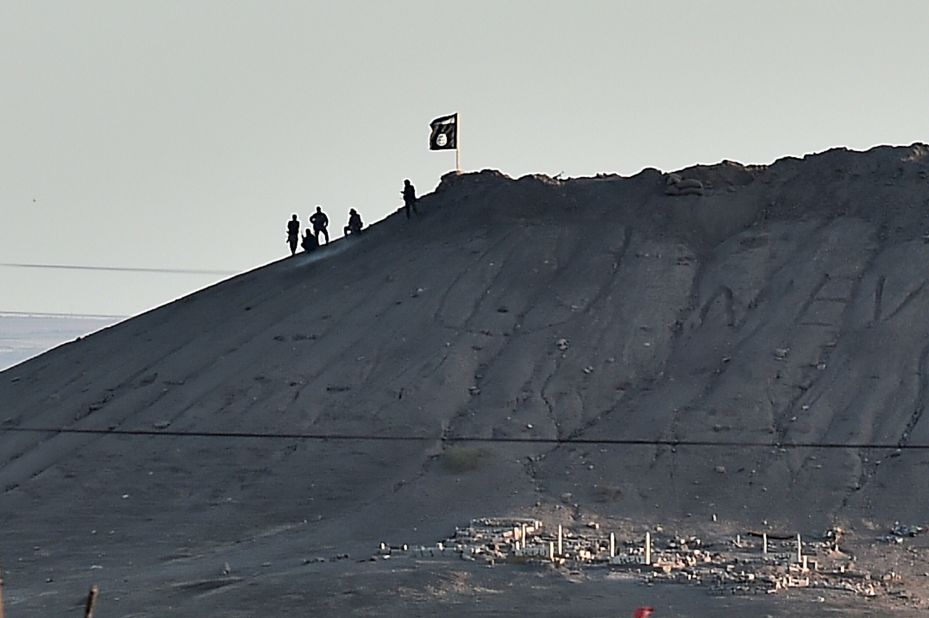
444	135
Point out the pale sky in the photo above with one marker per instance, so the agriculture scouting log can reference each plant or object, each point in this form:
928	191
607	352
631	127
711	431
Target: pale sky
183	134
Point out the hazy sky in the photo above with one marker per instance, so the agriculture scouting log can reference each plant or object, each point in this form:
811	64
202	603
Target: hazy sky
182	135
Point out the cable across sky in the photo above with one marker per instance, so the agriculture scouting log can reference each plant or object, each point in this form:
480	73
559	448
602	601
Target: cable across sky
46	314
474	439
172	271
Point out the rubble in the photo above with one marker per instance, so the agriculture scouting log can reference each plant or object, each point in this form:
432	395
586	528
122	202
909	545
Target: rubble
675	184
907	531
753	563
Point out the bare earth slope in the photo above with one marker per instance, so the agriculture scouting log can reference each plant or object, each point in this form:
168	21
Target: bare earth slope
786	305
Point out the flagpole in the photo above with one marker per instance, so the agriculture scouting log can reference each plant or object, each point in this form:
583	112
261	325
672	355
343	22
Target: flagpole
458	143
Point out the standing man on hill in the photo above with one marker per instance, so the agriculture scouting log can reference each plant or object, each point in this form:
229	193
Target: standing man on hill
409	197
293	234
320	223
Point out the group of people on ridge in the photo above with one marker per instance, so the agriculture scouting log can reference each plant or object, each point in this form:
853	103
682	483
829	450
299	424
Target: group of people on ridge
319	221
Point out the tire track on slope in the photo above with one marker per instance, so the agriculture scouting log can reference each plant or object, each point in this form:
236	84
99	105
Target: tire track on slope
780	424
595	305
878	298
460	333
780	413
906	301
764	292
529	466
576	254
619	257
479	301
804	307
674	424
676	337
728	305
855	293
541	288
443	299
922	391
579	247
867	467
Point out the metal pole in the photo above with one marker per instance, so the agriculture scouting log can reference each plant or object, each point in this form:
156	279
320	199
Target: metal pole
1	594
560	544
612	547
764	544
91	602
458	142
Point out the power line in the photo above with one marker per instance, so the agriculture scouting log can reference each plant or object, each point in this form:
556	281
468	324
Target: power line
172	271
47	314
473	439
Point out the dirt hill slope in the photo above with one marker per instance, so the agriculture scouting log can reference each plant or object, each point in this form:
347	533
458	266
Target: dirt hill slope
787	304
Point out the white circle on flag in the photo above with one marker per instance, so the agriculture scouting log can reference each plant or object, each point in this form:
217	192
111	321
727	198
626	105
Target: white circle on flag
441	139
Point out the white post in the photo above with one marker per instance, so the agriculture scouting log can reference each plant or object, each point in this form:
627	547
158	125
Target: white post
764	544
91	601
799	549
648	548
1	594
523	535
612	545
551	553
560	541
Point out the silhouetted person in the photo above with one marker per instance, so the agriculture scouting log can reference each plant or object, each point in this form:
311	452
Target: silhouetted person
309	242
320	224
354	223
409	198
293	234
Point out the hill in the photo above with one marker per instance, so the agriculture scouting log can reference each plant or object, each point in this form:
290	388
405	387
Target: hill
784	305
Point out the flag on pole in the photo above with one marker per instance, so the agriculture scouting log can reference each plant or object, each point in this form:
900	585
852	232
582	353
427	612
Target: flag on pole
444	134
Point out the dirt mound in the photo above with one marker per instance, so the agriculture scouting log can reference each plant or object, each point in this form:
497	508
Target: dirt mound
784	306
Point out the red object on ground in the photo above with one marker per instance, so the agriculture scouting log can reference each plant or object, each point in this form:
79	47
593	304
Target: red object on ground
643	612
